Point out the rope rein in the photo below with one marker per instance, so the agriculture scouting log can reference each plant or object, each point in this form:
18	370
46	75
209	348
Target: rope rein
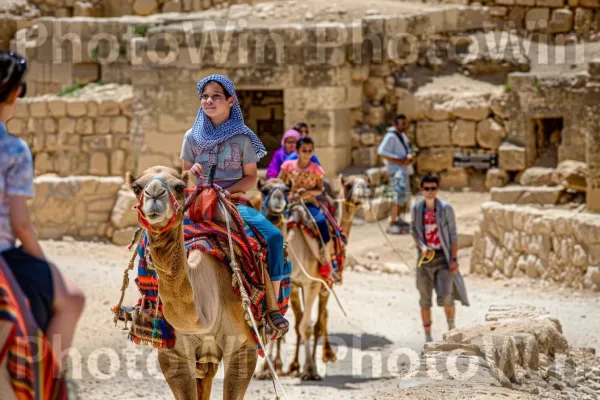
246	302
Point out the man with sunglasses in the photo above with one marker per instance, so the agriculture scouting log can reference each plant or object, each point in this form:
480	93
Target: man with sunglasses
433	229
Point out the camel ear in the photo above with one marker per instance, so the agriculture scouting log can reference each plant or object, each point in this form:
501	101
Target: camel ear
129	178
261	183
189	179
342	179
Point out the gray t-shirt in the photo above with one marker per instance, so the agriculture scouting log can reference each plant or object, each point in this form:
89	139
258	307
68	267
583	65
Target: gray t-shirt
229	157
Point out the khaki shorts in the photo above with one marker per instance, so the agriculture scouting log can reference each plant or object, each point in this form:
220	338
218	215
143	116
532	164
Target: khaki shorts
435	275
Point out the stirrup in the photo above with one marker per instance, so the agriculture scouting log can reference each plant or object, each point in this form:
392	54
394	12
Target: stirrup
274	320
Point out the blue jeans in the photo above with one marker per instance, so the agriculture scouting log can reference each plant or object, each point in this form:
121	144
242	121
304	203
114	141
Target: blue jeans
277	268
321	222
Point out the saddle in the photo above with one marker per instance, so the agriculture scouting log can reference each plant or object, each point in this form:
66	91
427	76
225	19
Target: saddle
204	233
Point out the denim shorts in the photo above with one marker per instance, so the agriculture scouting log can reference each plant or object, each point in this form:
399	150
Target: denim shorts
400	188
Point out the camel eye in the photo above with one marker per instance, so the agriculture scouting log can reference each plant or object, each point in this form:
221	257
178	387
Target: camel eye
179	188
137	189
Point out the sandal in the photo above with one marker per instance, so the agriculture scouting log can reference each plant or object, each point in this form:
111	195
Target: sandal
278	324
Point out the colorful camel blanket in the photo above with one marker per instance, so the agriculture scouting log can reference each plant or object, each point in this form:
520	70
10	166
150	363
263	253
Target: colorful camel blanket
149	327
299	216
33	371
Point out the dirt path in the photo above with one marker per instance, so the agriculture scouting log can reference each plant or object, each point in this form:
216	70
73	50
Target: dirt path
384	317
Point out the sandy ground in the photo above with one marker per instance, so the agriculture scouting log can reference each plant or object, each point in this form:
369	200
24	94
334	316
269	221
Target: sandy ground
383	320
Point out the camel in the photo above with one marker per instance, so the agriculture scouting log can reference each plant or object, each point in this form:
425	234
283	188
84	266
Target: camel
355	191
197	296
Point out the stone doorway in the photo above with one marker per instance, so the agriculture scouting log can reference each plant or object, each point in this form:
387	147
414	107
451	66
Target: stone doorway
547	133
263	113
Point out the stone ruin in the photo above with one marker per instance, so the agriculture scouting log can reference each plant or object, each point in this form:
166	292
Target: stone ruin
113	90
519	353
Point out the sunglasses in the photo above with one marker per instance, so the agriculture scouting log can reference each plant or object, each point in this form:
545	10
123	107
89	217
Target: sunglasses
430	188
306	151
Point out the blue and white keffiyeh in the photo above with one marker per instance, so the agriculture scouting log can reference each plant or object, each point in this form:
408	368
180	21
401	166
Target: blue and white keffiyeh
208	136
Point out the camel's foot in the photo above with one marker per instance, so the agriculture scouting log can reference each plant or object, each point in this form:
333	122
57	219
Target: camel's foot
310	373
328	353
294	369
278	364
263	375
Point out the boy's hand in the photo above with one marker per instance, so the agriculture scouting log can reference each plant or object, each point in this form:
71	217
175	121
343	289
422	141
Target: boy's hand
197	170
427	252
453	267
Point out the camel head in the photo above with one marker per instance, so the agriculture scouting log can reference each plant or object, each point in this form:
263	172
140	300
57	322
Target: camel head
356	188
161	195
274	193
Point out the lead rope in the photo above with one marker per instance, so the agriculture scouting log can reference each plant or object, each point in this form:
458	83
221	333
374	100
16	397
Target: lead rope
246	303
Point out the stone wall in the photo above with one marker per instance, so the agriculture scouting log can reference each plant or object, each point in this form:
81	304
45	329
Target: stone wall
71	136
556	245
80	206
556	18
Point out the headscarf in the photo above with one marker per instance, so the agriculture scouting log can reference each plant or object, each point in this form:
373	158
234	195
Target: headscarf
208	136
288	134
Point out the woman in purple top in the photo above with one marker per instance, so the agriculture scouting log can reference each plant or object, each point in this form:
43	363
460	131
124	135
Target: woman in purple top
288	146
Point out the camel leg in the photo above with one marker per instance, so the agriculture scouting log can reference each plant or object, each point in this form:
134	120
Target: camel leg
318	328
294	369
311	292
278	363
328	353
204	378
239	367
178	366
264	371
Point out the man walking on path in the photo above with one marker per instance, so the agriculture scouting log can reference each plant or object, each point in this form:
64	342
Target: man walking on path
433	228
397	155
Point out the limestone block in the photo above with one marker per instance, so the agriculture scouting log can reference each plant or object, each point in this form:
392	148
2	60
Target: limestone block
527	194
410	105
592	278
580	258
561	21
496	177
108	108
38	109
98	164
463	133
433	134
374	115
84	126
435	160
490	134
127	107
537	176
172	6
456	178
57	108
122	237
527	3
145	7
550	3
474	108
365	157
118	158
102	125
595	4
119	124
586	227
573	3
85	73
505	2
16	126
375	89
146	161
511	157
123	215
537	19
583	20
76	108
572	175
